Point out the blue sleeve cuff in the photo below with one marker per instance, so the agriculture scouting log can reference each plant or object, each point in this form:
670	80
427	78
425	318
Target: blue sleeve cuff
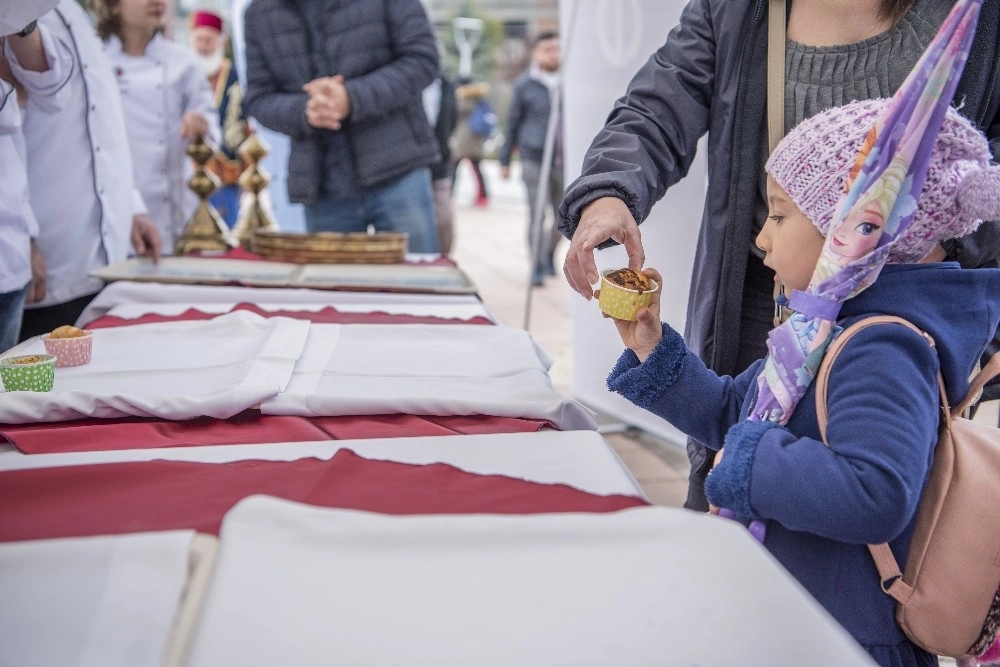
728	484
642	383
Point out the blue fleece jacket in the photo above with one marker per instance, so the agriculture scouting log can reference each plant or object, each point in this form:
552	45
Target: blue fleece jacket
823	504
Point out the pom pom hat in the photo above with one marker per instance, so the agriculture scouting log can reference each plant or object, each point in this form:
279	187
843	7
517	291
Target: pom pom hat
813	161
206	19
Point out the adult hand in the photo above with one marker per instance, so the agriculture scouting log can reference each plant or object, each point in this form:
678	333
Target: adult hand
36	288
505	172
643	334
146	237
329	104
602	219
193	125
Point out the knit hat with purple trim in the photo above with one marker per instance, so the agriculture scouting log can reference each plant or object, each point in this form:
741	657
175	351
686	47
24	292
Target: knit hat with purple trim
962	189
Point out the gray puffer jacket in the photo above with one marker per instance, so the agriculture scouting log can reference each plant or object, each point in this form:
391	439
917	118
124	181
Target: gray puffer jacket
710	76
386	52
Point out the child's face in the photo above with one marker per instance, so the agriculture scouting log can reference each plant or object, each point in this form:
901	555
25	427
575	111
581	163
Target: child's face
145	15
790	239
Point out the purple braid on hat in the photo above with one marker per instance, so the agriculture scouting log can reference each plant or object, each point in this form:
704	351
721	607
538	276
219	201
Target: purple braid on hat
962	189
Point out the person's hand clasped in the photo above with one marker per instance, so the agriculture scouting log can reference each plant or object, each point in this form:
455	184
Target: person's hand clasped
329	104
644	333
603	219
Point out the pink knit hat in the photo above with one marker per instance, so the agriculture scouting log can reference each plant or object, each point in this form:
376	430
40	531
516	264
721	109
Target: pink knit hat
813	161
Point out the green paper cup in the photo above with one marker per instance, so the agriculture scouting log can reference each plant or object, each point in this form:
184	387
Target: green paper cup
28	372
620	302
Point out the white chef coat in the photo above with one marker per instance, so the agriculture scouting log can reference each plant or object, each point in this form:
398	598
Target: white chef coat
157	89
79	164
17	222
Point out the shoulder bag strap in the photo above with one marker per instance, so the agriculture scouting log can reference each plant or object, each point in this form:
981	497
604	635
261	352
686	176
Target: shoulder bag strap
988	372
890	574
775	72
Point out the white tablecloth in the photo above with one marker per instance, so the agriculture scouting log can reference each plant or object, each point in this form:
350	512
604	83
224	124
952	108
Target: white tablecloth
299	585
462	311
173	370
433	369
92	601
582	459
126	292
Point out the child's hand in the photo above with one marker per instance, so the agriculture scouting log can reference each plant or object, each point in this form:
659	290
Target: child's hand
193	124
644	333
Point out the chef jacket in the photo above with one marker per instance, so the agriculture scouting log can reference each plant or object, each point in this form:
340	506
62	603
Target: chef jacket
79	163
17	222
157	89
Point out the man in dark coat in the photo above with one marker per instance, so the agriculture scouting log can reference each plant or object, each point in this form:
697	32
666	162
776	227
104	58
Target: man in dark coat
343	79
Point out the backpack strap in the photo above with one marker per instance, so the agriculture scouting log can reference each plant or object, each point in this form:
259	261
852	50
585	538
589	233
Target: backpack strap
988	372
890	575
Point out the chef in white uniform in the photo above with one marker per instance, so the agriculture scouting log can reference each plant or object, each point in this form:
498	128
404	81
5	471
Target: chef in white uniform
90	215
163	92
37	51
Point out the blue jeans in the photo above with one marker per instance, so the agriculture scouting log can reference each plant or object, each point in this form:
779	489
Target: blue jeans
11	309
404	205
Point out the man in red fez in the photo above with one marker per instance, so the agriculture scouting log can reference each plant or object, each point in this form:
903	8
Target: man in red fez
208	40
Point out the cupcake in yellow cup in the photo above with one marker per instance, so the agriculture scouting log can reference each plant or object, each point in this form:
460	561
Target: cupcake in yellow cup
624	291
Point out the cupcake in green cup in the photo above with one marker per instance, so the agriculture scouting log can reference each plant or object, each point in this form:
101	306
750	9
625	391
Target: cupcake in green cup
28	372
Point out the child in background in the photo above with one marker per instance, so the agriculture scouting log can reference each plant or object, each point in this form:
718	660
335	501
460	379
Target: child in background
167	103
824	504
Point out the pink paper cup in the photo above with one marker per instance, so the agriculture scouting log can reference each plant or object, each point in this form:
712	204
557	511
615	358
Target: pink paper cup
70	351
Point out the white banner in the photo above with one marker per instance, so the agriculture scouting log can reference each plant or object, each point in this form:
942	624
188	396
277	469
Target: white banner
608	41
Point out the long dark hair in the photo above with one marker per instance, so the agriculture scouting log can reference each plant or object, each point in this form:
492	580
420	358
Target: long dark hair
105	22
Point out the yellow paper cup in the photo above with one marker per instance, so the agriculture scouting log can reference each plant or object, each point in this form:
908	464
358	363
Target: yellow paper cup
620	302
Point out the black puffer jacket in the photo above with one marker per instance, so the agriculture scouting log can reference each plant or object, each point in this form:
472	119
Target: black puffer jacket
386	52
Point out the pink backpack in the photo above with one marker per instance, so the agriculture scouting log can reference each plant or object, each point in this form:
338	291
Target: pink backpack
948	595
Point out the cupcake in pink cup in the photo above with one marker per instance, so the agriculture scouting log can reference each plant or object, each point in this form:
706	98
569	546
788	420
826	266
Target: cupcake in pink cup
69	345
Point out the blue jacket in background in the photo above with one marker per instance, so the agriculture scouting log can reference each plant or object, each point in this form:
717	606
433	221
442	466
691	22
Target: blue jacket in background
822	505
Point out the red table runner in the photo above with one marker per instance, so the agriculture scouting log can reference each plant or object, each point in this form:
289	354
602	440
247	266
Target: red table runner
247	428
117	498
328	315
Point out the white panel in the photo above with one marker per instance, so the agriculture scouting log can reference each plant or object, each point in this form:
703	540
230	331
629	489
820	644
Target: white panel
607	43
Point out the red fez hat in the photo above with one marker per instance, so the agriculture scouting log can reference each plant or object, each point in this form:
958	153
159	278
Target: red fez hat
206	19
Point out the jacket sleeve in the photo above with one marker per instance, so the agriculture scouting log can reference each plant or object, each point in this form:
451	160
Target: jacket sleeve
414	67
198	98
48	89
265	101
649	140
515	114
666	382
883	407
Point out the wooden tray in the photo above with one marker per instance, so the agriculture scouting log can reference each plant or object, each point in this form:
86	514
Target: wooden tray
331	247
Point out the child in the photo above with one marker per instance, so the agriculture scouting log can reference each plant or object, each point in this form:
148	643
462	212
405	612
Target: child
823	504
167	102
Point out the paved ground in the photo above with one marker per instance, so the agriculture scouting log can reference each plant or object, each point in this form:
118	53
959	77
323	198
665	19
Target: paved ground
491	246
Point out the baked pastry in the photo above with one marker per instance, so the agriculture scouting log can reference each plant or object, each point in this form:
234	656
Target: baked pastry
67	331
26	359
629	279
